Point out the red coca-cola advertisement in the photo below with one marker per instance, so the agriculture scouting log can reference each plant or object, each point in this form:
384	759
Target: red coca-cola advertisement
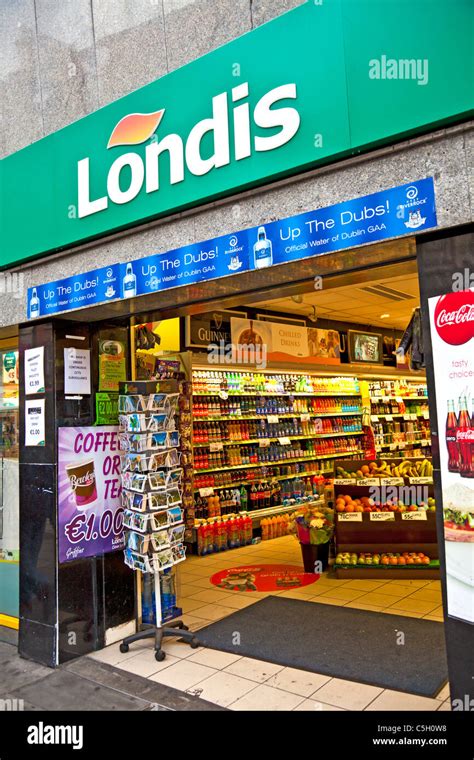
452	336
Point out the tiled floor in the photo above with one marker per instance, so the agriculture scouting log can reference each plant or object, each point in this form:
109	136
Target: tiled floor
242	683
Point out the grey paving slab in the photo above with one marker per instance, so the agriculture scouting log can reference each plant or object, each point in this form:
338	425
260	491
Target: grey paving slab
160	696
7	651
16	672
63	690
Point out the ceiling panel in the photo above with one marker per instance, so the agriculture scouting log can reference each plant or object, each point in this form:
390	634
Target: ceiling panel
352	303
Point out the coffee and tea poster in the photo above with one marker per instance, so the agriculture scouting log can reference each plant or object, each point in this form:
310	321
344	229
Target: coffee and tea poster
452	336
90	512
281	342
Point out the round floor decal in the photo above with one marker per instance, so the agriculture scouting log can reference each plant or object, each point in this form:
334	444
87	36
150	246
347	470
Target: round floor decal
262	578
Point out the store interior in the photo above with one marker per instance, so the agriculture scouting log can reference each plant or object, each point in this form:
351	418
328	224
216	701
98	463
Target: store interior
306	425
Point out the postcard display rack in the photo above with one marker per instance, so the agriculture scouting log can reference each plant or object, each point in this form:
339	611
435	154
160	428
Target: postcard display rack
153	440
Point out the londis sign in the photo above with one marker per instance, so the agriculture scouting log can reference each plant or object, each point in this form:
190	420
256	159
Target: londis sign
144	173
298	92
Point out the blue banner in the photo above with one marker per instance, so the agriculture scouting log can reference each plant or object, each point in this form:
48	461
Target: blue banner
386	214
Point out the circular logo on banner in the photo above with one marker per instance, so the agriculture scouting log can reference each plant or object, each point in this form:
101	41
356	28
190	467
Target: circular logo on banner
262	578
454	317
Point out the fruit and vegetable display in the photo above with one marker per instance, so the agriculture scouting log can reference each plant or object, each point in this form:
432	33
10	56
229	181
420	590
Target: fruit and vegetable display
384	558
347	503
408	468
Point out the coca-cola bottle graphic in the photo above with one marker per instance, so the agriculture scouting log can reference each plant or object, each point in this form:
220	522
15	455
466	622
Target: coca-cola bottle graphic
465	439
451	441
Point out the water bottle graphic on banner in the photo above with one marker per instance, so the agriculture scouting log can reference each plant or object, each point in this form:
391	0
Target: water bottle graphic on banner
262	250
34	305
129	283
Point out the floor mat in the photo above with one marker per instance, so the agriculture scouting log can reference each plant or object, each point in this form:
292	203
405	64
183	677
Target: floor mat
390	651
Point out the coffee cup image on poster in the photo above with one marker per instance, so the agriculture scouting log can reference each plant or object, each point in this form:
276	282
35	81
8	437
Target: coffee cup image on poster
452	335
90	513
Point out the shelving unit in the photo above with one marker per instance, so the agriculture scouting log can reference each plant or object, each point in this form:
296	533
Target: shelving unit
396	428
384	532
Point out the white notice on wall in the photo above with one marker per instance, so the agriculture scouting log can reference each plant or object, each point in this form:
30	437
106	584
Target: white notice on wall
34	370
34	422
77	371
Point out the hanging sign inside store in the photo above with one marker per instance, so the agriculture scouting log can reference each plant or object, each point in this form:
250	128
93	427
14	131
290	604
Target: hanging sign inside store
386	214
281	342
452	337
328	94
213	327
35	422
90	513
34	370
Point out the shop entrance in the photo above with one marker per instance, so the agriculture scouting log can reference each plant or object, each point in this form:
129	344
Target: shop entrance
307	400
312	475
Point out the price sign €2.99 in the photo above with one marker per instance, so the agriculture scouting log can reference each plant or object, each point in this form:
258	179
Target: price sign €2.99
90	511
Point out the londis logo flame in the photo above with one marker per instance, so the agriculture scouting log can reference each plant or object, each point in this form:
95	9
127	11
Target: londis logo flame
135	128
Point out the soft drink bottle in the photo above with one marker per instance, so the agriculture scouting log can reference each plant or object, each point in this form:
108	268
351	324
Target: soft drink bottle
451	442
465	439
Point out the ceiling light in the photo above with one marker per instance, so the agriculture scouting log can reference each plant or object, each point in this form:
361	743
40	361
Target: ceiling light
384	316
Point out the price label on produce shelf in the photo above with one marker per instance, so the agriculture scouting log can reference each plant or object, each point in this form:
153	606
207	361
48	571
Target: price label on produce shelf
393	446
413	417
206	491
425	442
418	481
224	395
407	416
305	417
216	446
367	482
343	481
399	399
426	415
375	418
264	443
389	417
391	481
381	516
349	517
273	419
420	514
284	441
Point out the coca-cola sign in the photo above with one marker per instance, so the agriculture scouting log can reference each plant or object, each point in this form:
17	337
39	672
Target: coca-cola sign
454	317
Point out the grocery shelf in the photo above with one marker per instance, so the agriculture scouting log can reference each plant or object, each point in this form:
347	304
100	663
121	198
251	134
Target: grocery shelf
285	394
289	415
277	438
376	399
259	514
386	415
424	443
313	457
290	476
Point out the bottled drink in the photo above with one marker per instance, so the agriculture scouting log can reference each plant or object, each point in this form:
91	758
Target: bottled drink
129	283
262	250
465	439
34	305
451	443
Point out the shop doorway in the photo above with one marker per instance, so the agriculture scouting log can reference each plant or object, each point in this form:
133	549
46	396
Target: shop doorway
303	400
